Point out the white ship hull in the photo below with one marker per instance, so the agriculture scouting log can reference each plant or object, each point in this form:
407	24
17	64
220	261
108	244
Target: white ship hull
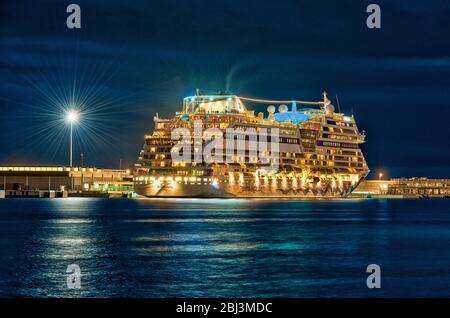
183	190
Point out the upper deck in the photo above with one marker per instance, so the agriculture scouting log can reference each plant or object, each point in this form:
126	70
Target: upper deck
213	104
229	109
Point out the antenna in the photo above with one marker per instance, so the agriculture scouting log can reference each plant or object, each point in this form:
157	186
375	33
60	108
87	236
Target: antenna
338	105
326	101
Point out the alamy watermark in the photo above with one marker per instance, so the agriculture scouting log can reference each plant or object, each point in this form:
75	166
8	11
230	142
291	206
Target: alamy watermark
235	145
74	277
373	21
73	21
374	279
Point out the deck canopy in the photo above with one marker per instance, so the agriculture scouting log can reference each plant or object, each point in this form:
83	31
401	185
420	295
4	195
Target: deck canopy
213	104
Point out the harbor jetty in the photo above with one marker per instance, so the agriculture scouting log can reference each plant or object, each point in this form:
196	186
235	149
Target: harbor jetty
62	182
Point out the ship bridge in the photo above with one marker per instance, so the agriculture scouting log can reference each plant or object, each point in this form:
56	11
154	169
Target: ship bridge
216	104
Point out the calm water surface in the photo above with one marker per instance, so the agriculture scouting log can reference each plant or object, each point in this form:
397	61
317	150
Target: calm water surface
224	248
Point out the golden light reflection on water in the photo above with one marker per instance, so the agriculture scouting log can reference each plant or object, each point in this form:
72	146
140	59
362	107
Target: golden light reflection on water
223	236
71	241
70	221
152	249
153	238
271	219
217	242
199	220
217	248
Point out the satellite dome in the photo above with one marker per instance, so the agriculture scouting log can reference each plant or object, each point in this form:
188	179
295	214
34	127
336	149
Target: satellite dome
283	109
329	109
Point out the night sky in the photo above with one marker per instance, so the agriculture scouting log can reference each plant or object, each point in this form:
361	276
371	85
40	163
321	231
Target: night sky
132	59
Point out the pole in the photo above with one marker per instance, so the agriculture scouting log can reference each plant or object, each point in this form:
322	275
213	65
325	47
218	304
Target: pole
71	135
71	143
82	181
337	100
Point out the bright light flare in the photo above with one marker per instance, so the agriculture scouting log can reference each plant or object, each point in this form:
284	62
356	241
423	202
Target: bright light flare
72	116
72	100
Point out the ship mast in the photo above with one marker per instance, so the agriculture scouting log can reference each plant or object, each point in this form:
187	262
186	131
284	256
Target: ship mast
326	101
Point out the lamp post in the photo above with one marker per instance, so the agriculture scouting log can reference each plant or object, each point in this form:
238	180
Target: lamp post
72	117
82	177
380	175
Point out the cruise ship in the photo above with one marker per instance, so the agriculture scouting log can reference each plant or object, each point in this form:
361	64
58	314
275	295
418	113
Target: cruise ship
217	147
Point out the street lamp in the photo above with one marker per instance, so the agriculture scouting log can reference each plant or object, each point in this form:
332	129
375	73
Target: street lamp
71	117
380	175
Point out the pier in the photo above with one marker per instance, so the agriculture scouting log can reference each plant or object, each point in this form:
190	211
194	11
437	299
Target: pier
62	182
417	187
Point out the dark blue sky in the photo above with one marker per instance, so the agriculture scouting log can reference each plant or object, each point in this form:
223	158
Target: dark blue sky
134	58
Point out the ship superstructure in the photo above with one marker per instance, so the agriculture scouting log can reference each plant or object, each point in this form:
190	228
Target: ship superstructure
216	147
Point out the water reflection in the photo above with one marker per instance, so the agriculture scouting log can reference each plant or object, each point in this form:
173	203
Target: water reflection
221	248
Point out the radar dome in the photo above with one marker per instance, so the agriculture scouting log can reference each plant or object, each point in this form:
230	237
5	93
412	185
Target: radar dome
271	109
329	109
283	109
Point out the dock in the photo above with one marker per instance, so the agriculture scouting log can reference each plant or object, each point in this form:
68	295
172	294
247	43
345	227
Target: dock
417	187
64	182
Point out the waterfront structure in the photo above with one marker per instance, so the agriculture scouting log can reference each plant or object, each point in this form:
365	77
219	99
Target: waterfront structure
422	187
317	151
30	180
372	187
404	187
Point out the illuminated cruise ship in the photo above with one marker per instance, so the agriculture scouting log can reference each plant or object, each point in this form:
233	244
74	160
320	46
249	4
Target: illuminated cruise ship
216	147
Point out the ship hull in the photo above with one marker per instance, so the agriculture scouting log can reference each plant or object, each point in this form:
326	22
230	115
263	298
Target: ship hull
181	190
